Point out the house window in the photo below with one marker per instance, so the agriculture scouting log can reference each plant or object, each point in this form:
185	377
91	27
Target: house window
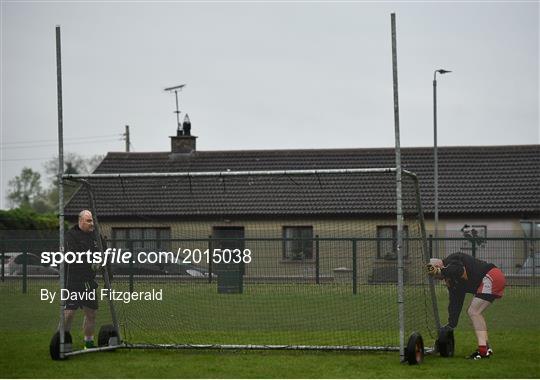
386	248
531	228
474	233
300	247
142	239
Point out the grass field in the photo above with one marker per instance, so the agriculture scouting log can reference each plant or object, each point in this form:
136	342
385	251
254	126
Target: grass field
27	324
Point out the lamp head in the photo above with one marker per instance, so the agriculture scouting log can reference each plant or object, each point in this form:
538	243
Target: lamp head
443	71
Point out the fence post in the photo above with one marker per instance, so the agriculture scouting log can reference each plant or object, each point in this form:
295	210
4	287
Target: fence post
317	263
131	266
430	246
25	272
354	286
210	258
534	274
473	250
3	263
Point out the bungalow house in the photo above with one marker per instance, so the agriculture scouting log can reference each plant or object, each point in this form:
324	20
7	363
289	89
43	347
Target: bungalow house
495	189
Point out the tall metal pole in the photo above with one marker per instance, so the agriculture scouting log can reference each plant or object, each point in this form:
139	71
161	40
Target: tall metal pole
435	169
436	163
399	206
61	326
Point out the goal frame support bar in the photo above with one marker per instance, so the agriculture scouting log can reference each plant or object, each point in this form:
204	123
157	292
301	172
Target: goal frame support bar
427	350
125	345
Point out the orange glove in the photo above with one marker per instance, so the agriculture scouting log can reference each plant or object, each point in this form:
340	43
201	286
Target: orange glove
432	270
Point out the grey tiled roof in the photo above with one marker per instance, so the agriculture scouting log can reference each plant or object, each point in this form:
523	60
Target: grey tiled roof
489	180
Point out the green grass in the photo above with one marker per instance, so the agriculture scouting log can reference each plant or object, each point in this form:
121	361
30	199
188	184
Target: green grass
27	324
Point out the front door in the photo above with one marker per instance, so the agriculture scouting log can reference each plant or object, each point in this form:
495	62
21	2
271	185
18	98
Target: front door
229	274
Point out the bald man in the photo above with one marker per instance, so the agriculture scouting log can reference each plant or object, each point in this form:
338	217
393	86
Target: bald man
463	274
81	277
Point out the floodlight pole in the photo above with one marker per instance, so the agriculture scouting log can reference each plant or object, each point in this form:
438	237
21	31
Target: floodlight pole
436	164
61	327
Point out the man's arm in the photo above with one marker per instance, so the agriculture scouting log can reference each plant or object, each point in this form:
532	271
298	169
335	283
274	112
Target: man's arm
455	304
453	270
68	242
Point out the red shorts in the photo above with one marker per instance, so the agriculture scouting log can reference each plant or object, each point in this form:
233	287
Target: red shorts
492	285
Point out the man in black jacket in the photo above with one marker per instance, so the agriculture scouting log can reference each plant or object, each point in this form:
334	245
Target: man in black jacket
81	277
463	274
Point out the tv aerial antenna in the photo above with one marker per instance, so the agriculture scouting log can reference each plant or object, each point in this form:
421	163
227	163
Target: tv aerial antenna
177	112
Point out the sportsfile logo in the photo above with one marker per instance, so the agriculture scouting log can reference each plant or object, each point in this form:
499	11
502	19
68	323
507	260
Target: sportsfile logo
118	256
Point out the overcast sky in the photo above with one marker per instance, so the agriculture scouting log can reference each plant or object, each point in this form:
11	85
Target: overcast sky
264	75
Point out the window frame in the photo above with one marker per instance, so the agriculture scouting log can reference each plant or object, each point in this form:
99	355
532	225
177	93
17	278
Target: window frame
128	240
393	255
306	243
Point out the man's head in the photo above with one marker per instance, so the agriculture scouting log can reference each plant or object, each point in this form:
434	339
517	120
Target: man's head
436	262
86	222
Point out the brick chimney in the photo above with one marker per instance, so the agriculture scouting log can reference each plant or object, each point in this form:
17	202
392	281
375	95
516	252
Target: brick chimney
183	142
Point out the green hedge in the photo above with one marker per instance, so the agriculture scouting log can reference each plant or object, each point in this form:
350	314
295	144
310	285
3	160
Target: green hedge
24	219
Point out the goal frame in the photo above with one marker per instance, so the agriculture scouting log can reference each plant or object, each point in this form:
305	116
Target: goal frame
65	350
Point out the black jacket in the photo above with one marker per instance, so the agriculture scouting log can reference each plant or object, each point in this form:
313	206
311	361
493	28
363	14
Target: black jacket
80	275
463	274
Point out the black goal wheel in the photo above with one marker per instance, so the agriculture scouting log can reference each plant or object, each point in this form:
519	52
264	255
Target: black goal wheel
445	342
105	333
54	346
414	353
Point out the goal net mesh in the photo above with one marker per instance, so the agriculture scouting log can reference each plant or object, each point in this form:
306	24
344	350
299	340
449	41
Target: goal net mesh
286	260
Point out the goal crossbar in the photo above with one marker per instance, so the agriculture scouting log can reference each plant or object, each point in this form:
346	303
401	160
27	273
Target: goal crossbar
238	173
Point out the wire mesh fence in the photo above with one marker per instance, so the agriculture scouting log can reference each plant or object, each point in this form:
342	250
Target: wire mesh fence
293	291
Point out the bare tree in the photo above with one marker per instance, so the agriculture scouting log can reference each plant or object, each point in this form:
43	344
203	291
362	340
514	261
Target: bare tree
74	163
